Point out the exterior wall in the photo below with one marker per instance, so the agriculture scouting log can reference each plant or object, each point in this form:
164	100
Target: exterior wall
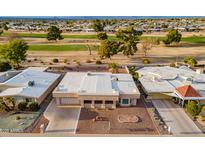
48	91
100	98
132	99
67	101
158	96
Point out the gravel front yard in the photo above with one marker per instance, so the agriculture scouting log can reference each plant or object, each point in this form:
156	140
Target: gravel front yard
86	125
10	123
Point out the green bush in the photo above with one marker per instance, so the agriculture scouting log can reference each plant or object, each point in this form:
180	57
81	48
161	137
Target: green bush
98	62
4	66
193	108
146	61
190	60
34	107
22	106
65	61
55	60
132	71
2	108
18	117
88	61
172	65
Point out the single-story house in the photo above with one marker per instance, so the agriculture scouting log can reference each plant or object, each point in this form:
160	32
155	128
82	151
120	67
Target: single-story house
96	90
181	84
31	84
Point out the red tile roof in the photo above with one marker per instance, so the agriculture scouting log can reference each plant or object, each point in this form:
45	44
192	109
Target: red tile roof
188	91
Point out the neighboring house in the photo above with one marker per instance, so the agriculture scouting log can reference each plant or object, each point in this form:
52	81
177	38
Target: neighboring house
181	84
31	84
96	90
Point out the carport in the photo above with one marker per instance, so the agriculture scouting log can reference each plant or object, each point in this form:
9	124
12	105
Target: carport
175	117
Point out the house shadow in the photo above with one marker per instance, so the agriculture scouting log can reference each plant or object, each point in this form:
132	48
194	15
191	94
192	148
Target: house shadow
87	114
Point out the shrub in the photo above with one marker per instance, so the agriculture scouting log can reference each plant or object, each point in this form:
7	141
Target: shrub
88	61
34	107
193	108
132	71
65	60
35	59
98	62
4	66
146	61
202	118
18	117
78	63
22	106
190	60
55	60
113	67
2	108
172	65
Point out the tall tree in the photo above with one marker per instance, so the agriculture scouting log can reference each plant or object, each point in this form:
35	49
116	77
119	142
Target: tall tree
148	43
173	36
1	32
15	52
128	40
54	34
98	25
5	27
107	49
102	36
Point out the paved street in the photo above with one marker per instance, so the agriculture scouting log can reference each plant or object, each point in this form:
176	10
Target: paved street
62	119
176	118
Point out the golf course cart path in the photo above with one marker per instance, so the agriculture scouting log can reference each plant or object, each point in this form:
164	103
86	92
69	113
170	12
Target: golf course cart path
176	118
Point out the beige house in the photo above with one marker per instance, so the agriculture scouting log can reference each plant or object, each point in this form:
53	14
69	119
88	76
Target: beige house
30	85
96	90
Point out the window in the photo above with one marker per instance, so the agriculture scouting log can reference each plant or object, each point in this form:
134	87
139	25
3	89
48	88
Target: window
108	102
87	102
98	102
125	101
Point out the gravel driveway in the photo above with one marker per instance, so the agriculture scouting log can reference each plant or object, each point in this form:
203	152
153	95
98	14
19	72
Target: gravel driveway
176	118
62	119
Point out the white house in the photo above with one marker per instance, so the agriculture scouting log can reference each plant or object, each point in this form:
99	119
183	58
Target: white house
96	90
31	84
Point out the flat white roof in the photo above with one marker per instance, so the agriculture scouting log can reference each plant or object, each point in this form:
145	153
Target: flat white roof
97	83
167	79
19	83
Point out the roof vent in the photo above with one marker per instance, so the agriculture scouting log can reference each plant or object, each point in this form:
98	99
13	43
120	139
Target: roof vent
89	73
114	78
31	83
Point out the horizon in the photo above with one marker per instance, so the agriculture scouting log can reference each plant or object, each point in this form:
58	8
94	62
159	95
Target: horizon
95	17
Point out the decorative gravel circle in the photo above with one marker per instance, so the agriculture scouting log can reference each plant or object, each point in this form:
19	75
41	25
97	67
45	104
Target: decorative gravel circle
128	118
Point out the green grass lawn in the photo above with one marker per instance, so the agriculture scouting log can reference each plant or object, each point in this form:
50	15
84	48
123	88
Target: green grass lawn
191	39
36	35
71	47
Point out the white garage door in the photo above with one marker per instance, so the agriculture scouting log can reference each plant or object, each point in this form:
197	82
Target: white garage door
69	101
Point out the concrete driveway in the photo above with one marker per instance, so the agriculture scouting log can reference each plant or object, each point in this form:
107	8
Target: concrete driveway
176	118
62	119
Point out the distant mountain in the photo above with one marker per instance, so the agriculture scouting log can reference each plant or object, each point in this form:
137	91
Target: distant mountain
93	17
